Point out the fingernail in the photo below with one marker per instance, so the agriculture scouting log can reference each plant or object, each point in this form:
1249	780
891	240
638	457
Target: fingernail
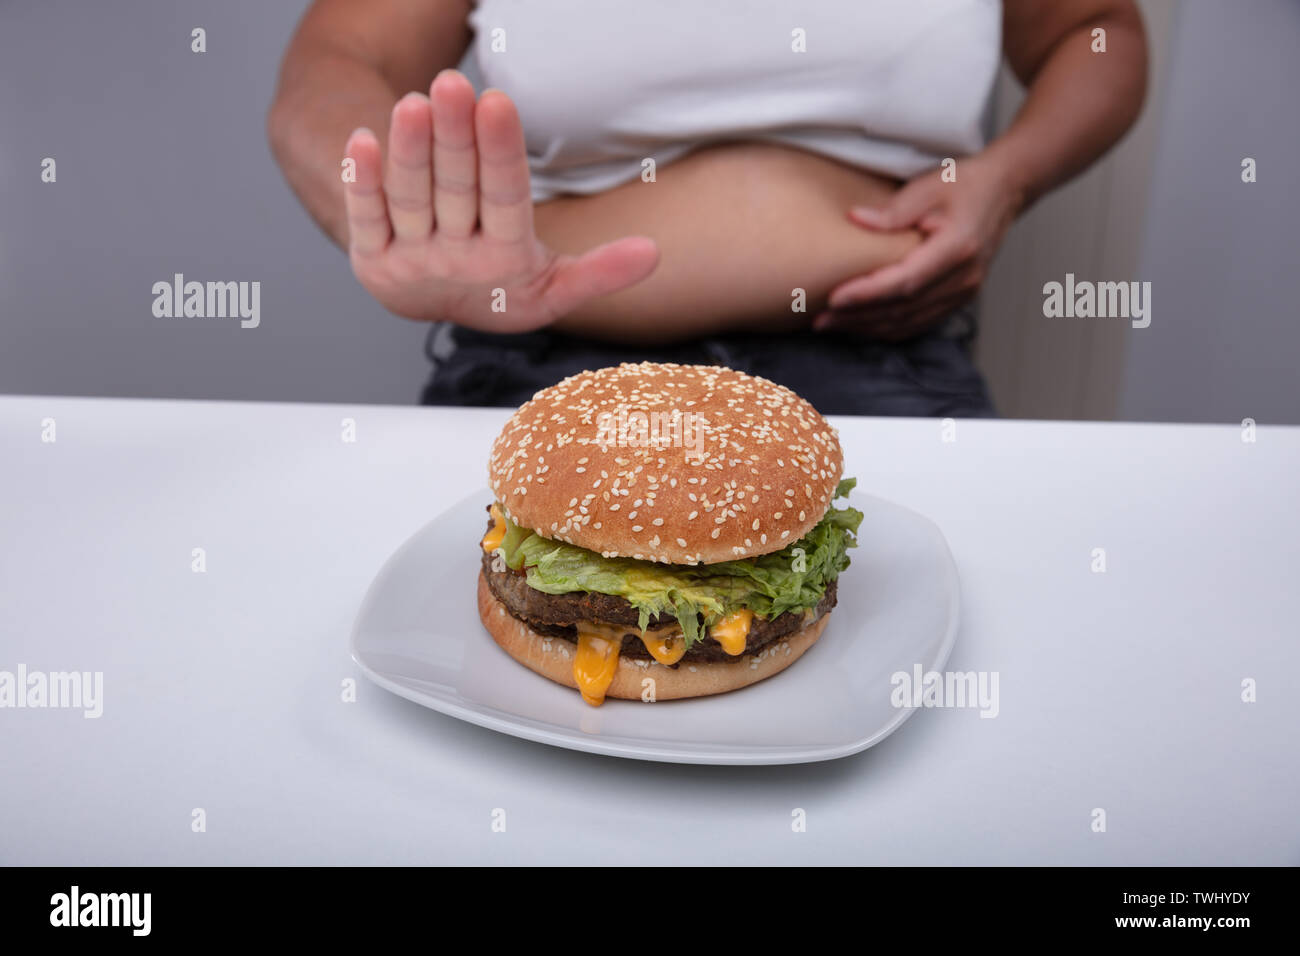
865	212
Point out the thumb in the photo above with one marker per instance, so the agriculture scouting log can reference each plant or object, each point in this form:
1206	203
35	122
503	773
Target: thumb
901	210
600	271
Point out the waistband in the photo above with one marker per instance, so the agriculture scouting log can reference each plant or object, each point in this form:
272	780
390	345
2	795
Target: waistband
445	338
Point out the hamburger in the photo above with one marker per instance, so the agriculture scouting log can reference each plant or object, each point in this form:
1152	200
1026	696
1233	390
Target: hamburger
663	531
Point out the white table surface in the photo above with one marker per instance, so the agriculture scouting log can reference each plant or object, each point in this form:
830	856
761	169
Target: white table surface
222	690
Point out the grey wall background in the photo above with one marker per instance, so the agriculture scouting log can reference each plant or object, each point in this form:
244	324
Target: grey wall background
163	167
1223	256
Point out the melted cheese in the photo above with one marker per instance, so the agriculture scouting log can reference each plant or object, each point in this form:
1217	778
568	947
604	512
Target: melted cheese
667	647
732	631
596	662
492	540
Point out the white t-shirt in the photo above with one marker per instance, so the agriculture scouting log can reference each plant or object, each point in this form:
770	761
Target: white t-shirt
890	86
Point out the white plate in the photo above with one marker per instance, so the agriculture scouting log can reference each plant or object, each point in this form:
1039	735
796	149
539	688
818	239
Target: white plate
418	635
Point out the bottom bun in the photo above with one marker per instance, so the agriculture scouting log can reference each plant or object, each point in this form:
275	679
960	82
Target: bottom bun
553	657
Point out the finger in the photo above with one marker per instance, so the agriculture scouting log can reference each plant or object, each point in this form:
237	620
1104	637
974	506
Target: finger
922	314
955	289
891	326
368	226
455	158
964	279
505	206
901	210
931	259
920	319
409	179
602	270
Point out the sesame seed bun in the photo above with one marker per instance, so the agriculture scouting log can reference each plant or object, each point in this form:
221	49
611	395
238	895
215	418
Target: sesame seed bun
552	657
685	464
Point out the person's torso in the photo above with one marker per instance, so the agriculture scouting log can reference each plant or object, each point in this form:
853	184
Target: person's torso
891	86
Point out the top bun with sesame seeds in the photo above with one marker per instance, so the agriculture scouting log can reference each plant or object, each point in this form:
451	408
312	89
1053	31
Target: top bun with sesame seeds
684	464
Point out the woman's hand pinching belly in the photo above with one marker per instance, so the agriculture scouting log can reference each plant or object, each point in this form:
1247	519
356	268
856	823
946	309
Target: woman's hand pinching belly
443	227
963	223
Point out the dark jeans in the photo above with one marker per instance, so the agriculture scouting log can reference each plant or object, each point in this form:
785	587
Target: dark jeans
931	376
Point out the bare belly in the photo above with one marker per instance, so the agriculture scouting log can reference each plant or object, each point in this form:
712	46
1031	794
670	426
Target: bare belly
740	227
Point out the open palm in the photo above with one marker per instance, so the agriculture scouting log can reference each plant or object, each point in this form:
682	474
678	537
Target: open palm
442	228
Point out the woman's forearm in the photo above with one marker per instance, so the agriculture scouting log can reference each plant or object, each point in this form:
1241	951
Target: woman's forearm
309	123
1079	102
346	66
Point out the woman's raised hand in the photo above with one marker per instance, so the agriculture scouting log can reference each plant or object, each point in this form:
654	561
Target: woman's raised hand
442	227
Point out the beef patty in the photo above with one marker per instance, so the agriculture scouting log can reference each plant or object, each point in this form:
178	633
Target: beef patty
558	614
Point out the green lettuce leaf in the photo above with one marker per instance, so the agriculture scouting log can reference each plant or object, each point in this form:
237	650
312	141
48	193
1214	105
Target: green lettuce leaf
792	579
